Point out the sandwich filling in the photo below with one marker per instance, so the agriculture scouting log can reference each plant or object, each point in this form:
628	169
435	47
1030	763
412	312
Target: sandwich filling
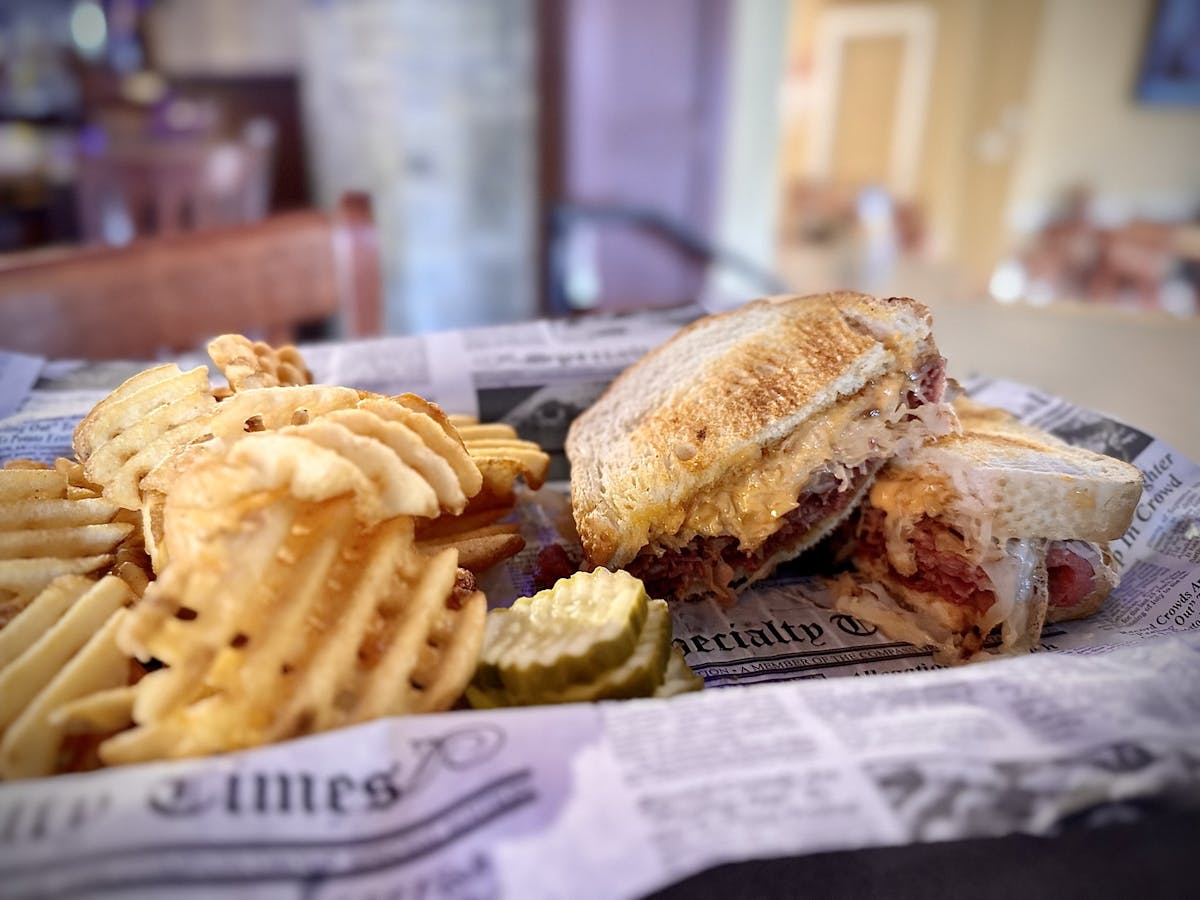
1076	571
719	566
976	588
780	503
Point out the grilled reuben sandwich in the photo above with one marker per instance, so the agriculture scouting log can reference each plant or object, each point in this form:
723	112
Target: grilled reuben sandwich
747	437
1001	526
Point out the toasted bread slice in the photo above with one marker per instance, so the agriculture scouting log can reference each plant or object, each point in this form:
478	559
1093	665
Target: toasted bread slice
1008	480
767	391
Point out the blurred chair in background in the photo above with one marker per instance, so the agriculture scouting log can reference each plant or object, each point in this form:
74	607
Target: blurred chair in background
573	279
168	294
142	186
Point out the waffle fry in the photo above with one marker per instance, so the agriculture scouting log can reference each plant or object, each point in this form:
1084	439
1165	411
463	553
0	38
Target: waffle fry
445	527
443	464
61	648
78	485
452	646
250	364
479	538
502	458
30	465
415	442
295	598
510	458
153	505
154	487
138	425
343	623
430	410
479	549
47	531
103	712
269	409
434	429
133	567
249	412
34	464
307	542
481	542
132	563
381	464
156	428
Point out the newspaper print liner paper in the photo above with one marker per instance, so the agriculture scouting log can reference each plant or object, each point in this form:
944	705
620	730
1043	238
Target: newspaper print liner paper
612	800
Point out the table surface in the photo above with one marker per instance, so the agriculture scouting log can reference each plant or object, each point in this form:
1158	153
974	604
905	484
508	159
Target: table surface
1149	857
1141	368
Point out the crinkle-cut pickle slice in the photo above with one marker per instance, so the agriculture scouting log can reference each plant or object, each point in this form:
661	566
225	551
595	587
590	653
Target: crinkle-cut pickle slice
679	679
566	635
640	675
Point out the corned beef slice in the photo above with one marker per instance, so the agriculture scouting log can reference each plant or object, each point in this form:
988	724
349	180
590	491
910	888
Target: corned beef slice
1071	574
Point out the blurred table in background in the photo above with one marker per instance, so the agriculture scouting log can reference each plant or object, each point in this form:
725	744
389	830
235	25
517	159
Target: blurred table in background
1140	367
151	156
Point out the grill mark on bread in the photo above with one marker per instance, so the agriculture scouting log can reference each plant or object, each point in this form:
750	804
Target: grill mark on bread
750	400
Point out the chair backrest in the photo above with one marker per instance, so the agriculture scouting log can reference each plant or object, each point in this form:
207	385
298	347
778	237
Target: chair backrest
165	295
149	187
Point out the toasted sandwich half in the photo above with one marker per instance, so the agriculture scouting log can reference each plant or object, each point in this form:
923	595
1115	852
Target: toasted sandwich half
747	437
999	527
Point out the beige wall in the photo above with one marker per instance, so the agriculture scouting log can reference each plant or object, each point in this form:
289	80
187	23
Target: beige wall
1084	124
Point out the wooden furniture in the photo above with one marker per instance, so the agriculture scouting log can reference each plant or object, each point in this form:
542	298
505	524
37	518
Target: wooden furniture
169	294
256	97
145	186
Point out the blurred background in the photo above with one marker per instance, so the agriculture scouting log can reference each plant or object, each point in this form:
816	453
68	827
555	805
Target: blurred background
526	158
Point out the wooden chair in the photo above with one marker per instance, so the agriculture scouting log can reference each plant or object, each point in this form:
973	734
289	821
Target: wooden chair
169	294
129	189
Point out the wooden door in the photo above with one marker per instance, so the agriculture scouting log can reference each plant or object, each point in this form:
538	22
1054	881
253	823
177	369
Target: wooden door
924	98
865	120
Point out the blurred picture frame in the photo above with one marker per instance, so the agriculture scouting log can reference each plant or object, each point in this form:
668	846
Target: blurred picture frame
1170	70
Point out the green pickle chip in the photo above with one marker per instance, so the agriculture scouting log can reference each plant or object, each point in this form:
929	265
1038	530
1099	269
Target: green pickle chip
594	636
680	678
569	634
640	675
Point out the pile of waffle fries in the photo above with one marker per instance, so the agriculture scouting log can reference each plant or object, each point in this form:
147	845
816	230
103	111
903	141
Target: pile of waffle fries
221	569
